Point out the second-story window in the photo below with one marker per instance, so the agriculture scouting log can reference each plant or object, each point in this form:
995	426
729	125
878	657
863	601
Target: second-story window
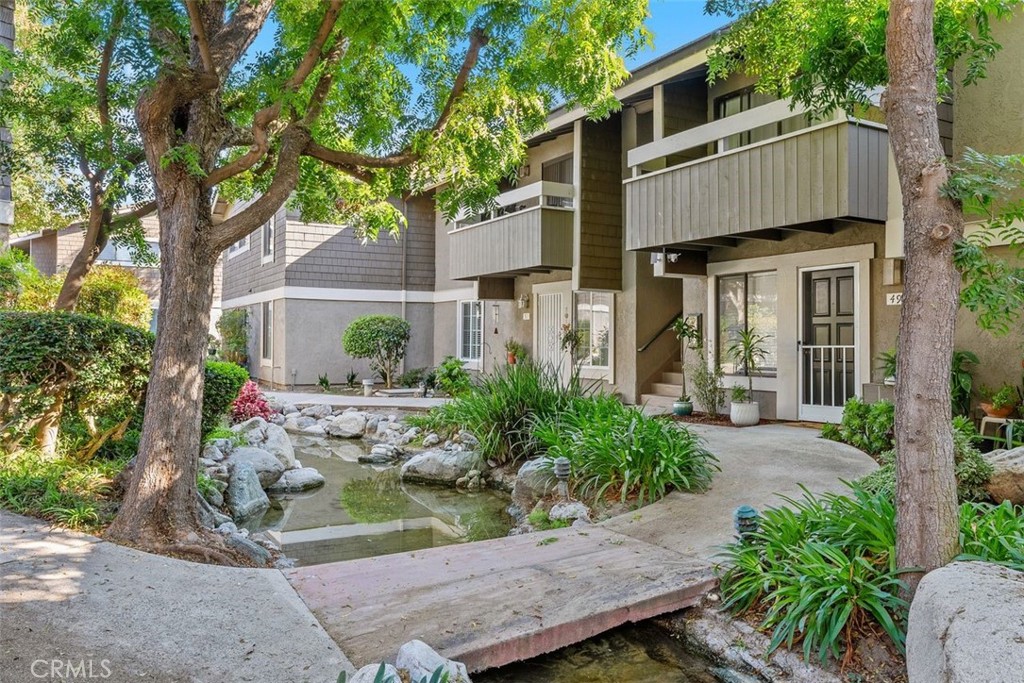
558	171
745	100
471	330
120	255
268	240
238	247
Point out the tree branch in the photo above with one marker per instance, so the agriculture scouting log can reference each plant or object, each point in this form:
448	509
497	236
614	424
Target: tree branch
103	77
231	42
342	160
195	20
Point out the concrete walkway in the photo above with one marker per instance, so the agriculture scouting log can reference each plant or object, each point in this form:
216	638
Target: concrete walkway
72	598
69	596
379	403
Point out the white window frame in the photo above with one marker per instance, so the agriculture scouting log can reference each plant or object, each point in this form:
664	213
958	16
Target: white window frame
126	259
267	317
598	371
472	363
239	247
268	233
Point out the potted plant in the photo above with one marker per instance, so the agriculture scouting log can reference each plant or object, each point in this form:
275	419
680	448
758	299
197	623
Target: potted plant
1001	402
887	361
748	348
515	351
686	333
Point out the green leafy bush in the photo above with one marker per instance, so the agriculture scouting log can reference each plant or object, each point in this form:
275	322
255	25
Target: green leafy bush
413	377
452	377
820	566
234	335
55	364
501	409
867	426
707	383
613	447
972	470
223	381
382	339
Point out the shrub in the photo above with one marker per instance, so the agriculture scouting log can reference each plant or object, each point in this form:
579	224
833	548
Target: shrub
54	364
707	384
819	567
380	338
234	335
972	470
867	426
412	378
452	377
613	447
500	411
249	404
223	382
115	292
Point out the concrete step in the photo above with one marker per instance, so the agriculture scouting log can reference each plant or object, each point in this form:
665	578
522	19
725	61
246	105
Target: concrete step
677	366
672	378
666	389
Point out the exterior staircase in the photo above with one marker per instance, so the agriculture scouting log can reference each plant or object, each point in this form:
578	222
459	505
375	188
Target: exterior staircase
664	391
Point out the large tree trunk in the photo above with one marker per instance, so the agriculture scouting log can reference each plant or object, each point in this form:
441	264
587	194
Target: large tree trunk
159	509
96	234
926	502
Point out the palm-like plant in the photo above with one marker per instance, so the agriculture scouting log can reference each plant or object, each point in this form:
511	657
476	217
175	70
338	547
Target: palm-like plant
749	349
686	333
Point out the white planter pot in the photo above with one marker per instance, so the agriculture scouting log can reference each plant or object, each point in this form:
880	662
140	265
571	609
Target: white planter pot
368	387
745	414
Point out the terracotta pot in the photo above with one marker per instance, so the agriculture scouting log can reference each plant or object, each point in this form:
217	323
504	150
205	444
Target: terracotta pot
511	359
1003	413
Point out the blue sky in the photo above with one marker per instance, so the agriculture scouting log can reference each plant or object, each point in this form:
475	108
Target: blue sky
674	23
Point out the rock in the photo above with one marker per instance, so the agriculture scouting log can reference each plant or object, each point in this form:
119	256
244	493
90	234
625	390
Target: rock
348	425
294	481
371	423
381	453
214	497
967	625
279	444
581	523
413	432
317	412
1007	481
285	563
502	479
277	419
571	510
315	430
204	462
212	453
274	405
383	425
219	473
533	482
227	528
288	409
420	660
431	440
253	424
245	496
225	445
468	440
254	551
296	423
440	467
268	468
368	674
206	517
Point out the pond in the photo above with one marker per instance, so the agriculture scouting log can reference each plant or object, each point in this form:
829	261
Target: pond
365	510
638	653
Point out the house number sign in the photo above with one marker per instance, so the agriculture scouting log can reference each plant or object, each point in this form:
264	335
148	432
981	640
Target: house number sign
894	299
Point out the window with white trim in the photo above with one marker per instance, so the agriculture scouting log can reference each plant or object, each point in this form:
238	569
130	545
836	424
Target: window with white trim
267	331
748	301
238	247
118	254
471	330
267	231
593	318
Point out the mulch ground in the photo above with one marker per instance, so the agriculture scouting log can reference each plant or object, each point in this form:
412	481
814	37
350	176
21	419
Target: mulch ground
717	420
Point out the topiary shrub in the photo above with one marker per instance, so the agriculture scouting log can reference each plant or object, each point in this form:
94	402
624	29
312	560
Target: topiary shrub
382	339
93	369
249	404
867	426
223	383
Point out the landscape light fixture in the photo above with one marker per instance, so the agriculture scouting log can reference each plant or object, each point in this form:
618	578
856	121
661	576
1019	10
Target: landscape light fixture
562	467
746	521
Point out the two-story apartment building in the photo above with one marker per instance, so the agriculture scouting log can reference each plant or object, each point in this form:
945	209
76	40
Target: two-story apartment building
711	201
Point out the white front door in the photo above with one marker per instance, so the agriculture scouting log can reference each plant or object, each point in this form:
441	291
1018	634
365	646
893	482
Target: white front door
829	354
551	314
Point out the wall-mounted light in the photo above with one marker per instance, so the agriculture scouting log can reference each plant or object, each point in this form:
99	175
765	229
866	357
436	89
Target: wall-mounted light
523	301
673	257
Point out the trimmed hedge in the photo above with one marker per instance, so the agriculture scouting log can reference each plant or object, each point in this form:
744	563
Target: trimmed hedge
223	382
99	366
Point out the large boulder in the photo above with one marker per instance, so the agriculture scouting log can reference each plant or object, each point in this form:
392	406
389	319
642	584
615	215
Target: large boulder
420	660
268	468
297	480
349	425
269	437
259	555
967	625
317	412
1007	481
368	674
245	496
440	467
533	482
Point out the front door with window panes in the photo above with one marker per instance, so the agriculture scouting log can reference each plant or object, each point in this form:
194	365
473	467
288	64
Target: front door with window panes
828	343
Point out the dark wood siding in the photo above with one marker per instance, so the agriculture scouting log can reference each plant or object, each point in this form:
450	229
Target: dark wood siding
598	253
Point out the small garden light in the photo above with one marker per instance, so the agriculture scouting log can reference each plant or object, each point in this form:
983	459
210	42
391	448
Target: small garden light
746	521
562	475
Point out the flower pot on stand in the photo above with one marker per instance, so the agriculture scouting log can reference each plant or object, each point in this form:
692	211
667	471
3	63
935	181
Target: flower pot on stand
1001	413
682	407
744	413
511	359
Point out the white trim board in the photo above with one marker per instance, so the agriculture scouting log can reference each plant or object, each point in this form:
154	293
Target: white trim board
362	295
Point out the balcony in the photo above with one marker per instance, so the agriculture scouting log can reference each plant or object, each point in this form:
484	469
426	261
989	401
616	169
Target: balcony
832	170
530	231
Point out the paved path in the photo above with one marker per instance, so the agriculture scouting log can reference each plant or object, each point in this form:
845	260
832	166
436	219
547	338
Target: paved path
376	402
72	596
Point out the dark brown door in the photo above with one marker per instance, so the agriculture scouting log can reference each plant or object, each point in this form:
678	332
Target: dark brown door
828	337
